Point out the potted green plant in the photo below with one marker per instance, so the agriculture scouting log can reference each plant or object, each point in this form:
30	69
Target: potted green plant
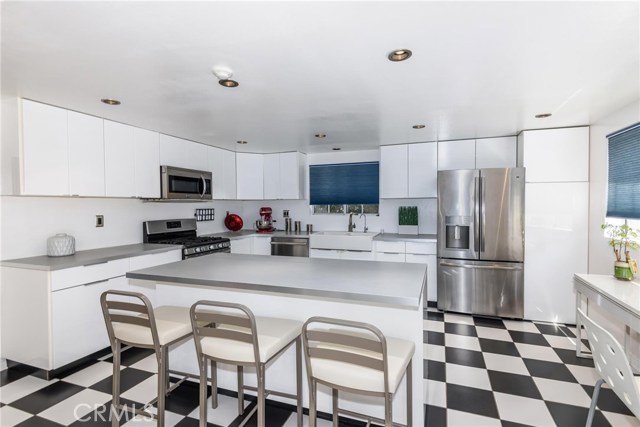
408	220
622	239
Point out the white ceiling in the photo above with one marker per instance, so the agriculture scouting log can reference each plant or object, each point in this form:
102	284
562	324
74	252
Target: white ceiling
478	69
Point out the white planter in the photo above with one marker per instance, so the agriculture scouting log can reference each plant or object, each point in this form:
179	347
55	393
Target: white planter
407	229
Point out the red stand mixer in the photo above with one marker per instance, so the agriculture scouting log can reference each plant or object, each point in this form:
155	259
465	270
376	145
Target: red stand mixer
265	225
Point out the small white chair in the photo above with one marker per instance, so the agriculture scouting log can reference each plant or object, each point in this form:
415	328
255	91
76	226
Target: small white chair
230	333
612	365
131	320
357	358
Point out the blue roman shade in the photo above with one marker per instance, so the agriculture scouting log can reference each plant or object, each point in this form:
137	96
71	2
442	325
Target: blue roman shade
345	183
623	200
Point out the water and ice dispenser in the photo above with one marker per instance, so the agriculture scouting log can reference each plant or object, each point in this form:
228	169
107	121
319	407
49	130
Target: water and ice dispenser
457	231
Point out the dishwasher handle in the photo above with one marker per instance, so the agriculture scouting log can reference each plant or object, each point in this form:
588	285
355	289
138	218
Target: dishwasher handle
288	243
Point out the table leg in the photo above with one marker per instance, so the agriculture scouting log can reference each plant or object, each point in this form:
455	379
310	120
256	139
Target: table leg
579	352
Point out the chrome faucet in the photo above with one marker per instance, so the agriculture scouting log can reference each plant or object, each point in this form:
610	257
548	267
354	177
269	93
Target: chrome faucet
352	226
365	222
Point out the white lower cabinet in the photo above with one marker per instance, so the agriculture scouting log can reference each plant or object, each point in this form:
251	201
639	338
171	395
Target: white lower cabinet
390	256
261	245
242	246
251	245
341	254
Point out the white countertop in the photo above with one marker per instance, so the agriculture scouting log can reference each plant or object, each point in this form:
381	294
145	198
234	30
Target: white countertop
393	284
621	292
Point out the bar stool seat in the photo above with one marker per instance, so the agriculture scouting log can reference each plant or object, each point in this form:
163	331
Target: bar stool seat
273	335
348	375
171	322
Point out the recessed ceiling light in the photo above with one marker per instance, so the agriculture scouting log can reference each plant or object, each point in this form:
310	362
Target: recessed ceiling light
399	55
336	148
419	126
241	142
543	116
110	101
321	135
228	83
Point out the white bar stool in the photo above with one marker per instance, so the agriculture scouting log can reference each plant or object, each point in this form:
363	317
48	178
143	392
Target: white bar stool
357	358
131	320
231	334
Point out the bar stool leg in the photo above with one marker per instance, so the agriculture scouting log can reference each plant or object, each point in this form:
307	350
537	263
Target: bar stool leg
312	403
261	388
162	384
334	393
203	391
409	395
214	384
165	349
240	391
115	393
299	379
388	410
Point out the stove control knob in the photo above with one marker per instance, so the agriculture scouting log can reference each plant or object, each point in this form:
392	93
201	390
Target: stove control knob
197	249
212	246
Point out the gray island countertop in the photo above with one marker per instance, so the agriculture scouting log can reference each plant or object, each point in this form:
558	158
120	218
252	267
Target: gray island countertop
393	284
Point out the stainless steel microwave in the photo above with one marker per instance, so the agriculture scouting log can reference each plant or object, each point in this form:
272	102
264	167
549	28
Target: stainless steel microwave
185	184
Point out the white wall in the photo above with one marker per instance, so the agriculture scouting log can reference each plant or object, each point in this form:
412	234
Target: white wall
600	254
27	222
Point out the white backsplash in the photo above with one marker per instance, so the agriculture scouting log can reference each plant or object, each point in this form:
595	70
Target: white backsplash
27	222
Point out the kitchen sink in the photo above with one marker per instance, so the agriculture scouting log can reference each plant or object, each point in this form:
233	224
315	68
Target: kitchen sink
345	240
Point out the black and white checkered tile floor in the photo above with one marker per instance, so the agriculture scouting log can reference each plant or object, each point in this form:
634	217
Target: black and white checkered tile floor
479	372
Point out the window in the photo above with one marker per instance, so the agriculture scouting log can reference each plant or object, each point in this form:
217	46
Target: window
623	195
344	184
341	209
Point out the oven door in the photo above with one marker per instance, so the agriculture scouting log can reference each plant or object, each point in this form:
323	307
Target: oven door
181	184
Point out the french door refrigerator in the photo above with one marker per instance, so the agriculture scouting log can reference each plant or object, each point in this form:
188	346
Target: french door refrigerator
481	241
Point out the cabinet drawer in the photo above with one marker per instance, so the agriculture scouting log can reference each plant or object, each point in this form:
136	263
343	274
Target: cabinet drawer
69	277
324	253
151	260
391	247
391	257
421	248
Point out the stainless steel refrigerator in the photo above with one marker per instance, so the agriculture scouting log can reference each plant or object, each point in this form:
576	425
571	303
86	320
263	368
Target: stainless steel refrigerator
481	241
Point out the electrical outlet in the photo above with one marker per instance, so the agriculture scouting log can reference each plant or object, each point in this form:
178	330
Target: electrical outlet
99	220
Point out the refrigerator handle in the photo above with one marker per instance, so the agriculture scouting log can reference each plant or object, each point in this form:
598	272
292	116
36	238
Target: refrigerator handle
483	210
476	215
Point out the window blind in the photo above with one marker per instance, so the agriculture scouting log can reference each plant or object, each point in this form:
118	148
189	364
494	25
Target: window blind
623	198
345	183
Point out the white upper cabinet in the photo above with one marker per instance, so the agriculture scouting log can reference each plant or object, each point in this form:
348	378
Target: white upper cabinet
222	164
408	171
556	155
45	147
457	154
182	153
496	152
271	176
86	154
423	170
119	159
147	163
250	176
393	171
284	176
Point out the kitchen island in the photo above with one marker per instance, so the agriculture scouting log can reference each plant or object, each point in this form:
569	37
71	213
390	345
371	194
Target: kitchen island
388	295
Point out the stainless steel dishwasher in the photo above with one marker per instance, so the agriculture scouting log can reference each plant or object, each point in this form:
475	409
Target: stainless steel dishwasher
290	246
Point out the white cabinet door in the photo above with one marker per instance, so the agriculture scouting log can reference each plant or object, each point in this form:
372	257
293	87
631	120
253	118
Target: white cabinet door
147	163
119	160
242	246
389	257
393	171
325	253
86	154
271	176
292	172
556	155
222	164
556	230
496	152
423	170
174	151
151	260
261	245
250	176
197	156
45	161
457	154
357	255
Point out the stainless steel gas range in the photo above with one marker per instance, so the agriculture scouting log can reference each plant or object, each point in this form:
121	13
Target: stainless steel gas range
183	232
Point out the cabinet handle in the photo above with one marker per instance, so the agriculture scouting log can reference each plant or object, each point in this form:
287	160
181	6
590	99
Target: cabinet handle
95	263
95	283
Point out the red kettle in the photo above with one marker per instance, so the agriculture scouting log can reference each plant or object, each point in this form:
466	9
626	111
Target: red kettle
233	222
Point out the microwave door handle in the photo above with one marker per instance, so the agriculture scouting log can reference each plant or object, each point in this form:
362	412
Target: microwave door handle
204	186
